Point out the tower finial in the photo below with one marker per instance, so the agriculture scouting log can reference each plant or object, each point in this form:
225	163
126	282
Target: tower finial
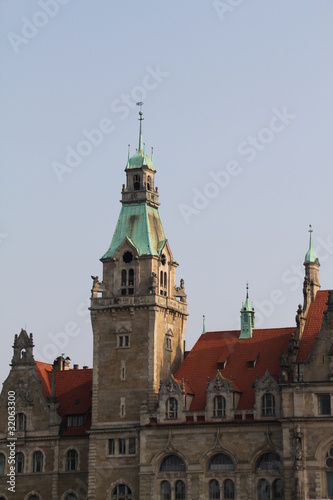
247	289
311	255
203	324
140	131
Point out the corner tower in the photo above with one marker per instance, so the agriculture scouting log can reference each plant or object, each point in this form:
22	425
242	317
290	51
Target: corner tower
138	313
311	280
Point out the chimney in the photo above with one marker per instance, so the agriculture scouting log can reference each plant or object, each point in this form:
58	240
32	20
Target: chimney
76	367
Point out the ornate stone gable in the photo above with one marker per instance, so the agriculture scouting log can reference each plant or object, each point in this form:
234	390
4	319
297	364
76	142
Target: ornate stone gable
171	387
267	383
219	384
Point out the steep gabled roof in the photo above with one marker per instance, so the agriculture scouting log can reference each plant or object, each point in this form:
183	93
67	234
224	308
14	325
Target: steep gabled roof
213	348
312	325
73	393
142	224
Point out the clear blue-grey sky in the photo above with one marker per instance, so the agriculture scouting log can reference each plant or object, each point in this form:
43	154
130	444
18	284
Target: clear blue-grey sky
238	107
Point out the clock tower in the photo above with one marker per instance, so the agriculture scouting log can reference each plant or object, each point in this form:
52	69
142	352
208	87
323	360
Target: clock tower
138	318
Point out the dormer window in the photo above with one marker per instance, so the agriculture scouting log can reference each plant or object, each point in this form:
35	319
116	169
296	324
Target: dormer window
171	407
136	182
75	420
219	407
21	422
268	405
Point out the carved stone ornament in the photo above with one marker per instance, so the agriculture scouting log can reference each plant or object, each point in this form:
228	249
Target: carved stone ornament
169	446
219	384
171	387
267	383
298	448
218	440
22	391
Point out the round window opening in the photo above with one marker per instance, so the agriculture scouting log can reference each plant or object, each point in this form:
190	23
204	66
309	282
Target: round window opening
127	257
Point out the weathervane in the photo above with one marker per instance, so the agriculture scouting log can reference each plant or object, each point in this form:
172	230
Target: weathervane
140	112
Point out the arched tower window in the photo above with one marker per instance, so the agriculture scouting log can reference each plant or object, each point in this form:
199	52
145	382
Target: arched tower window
149	185
131	277
136	182
268	405
163	283
123	277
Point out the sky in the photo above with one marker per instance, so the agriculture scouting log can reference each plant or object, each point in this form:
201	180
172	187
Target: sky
238	107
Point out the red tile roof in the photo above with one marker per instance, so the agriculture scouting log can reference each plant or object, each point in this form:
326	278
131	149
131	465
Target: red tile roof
73	393
312	325
212	348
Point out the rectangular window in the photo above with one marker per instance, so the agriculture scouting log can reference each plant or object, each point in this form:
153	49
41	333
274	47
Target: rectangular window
123	341
111	447
324	404
131	446
122	446
74	420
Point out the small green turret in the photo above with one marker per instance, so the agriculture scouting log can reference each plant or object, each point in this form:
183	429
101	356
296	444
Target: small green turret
247	317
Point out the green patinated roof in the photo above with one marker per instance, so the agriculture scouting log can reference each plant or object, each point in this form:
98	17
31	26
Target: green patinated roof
311	255
139	160
247	305
142	226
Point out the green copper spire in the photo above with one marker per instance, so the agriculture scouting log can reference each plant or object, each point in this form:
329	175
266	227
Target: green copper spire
247	317
140	159
311	255
203	324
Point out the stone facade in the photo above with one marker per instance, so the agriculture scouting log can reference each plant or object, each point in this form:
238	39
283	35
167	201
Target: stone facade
245	415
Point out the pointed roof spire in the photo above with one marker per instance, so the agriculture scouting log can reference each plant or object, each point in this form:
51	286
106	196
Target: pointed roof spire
311	255
140	148
247	317
203	324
